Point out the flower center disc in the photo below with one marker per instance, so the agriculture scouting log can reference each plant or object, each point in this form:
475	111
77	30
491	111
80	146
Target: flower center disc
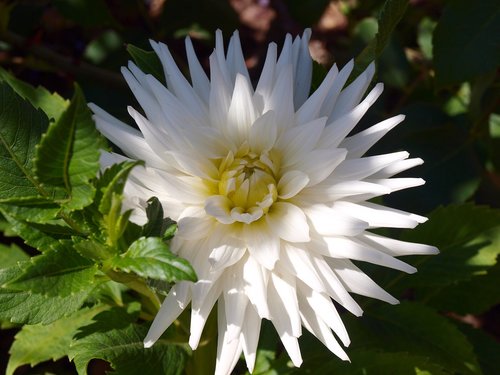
248	182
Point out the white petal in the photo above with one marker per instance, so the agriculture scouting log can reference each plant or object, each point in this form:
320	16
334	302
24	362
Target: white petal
227	353
194	224
175	302
339	247
397	167
241	113
225	248
202	305
263	133
395	184
303	70
235	59
177	83
338	84
288	222
319	164
396	247
323	310
219	207
263	243
352	94
311	108
357	169
356	281
266	80
336	131
319	329
286	289
128	139
220	95
298	262
298	141
250	336
335	288
328	221
201	83
281	321
256	277
330	191
291	183
361	142
281	99
379	216
235	302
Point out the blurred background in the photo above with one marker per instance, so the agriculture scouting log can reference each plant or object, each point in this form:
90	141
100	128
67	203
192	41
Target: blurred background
439	67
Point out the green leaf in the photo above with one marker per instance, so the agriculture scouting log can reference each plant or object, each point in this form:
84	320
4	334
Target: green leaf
50	103
474	296
59	272
372	362
466	41
38	343
10	255
425	29
93	249
68	154
452	229
417	330
147	61
157	225
151	258
124	350
35	235
114	318
485	346
30	308
21	127
35	211
391	13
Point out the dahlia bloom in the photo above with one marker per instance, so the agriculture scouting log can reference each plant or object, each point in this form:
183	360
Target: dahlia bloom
270	193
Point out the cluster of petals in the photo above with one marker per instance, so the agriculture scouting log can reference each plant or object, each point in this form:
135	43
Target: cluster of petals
270	191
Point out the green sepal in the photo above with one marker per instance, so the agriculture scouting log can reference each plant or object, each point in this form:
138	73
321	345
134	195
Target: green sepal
157	225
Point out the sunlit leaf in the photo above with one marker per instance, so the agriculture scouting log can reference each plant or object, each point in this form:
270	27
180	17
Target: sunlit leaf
38	343
124	350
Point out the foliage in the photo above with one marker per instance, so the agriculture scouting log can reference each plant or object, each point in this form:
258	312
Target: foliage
79	280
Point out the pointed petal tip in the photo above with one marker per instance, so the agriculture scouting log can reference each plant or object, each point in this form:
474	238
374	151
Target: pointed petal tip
148	343
410	270
433	250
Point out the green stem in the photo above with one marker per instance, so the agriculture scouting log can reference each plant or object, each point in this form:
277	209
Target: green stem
151	301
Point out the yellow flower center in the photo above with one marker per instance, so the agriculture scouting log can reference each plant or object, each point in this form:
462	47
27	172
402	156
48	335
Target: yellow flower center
248	181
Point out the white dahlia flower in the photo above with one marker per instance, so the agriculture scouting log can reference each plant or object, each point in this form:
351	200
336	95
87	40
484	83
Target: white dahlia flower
270	193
